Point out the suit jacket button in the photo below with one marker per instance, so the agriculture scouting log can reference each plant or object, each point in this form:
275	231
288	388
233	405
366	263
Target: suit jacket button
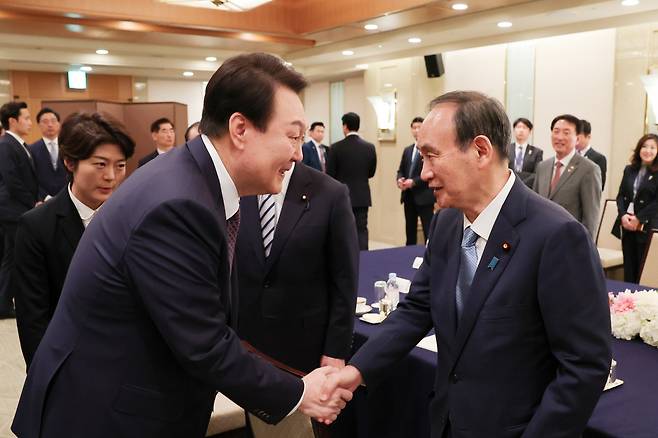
454	378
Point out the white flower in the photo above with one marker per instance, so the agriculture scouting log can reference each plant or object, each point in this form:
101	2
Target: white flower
649	332
625	325
646	303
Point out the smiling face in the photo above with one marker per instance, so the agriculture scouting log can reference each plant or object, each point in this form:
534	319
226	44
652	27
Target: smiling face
449	171
648	152
563	138
267	155
95	178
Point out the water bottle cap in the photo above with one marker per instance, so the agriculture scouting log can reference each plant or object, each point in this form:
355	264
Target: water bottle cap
392	275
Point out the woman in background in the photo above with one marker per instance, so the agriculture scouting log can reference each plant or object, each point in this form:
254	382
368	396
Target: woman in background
95	149
637	205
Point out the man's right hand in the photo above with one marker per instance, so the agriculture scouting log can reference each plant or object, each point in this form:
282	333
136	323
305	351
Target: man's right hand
348	378
323	405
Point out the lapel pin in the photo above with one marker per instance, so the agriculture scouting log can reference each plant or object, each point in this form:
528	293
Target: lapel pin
307	201
492	264
529	152
570	169
650	177
506	246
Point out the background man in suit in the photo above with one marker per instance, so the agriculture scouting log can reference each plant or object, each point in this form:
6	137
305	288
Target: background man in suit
163	135
141	338
51	174
501	267
585	149
314	152
298	256
417	198
524	157
353	161
18	190
568	179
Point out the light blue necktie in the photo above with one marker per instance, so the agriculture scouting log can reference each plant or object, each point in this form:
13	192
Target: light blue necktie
468	262
518	163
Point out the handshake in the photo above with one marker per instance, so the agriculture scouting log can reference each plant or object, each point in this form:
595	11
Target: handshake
328	389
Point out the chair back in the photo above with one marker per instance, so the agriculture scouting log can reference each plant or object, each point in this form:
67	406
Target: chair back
649	271
604	237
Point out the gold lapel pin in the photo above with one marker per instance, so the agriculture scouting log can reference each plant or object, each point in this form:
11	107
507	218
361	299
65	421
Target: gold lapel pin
506	246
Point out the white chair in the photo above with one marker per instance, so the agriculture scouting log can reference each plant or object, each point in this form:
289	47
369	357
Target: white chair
649	271
226	416
609	246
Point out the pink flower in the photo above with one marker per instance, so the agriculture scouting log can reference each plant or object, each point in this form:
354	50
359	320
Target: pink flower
623	303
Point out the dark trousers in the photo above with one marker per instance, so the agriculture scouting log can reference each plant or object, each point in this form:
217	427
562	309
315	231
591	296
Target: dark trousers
6	296
361	218
633	245
411	214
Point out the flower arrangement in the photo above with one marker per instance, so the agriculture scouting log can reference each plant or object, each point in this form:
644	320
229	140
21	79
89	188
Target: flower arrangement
635	313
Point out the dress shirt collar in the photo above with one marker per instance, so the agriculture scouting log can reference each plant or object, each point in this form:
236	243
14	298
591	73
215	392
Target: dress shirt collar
315	143
484	223
524	146
47	141
584	151
17	137
352	133
85	212
162	151
566	160
230	194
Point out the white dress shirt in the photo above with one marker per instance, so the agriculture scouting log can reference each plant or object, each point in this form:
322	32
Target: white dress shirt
22	142
232	201
86	213
565	163
484	223
53	149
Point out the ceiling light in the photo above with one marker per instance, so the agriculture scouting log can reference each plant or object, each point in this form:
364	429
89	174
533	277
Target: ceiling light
371	26
188	74
348	52
211	58
414	40
379	46
362	66
74	28
630	2
140	85
224	5
387	85
460	6
86	68
504	24
102	52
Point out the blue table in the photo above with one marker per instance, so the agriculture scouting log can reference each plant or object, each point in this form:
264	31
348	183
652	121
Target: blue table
400	408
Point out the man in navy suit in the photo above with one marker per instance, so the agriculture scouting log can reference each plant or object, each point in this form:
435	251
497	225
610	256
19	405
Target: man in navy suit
51	174
163	135
142	337
524	157
512	285
353	162
18	190
314	152
417	198
584	148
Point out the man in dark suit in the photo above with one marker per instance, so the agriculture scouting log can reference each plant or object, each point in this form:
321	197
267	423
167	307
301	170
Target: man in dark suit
51	174
314	152
18	190
585	149
142	336
353	161
417	198
501	267
524	157
164	137
301	314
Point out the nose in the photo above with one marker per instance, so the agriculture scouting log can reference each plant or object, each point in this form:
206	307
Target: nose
426	173
297	155
110	173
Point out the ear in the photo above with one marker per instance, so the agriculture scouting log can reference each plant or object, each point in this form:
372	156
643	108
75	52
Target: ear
154	135
70	165
237	129
484	149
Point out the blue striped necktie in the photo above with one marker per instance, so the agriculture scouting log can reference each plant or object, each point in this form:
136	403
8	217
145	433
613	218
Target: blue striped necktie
468	262
267	211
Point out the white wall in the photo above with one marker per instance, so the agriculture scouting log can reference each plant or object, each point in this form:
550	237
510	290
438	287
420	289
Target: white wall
316	103
479	69
188	92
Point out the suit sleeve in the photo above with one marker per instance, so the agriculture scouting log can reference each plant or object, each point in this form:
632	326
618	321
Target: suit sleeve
9	165
579	338
604	170
32	292
590	199
343	259
402	166
175	260
373	162
332	166
650	210
535	184
402	330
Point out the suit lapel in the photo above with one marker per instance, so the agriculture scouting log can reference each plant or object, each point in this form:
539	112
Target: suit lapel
449	257
293	209
250	220
502	244
72	226
567	173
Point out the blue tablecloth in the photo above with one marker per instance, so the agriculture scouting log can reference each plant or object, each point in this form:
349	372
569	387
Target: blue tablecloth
400	408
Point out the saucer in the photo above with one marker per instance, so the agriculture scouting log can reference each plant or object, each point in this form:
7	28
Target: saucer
360	300
362	308
373	318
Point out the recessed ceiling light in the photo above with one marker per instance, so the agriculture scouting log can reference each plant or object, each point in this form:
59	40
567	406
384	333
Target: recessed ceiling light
348	52
211	58
371	26
188	74
74	28
504	24
414	40
630	2
362	66
387	85
460	6
86	68
102	52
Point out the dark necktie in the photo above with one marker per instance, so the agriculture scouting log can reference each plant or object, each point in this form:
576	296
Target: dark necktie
232	228
267	212
29	155
556	177
468	261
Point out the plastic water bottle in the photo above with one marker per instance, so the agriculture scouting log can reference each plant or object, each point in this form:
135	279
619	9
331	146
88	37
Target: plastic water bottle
393	290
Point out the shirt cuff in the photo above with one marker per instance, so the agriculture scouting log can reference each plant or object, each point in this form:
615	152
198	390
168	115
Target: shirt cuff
299	402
